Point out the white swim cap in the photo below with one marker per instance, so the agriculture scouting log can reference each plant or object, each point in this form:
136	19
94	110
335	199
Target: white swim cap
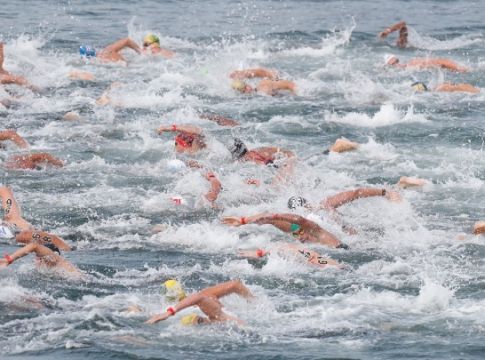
388	58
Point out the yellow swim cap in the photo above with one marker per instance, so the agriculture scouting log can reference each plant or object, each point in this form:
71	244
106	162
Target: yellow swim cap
419	86
151	39
189	320
172	290
238	85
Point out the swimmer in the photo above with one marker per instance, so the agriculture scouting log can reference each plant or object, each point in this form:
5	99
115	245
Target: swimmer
207	300
302	229
11	135
425	63
402	40
110	53
46	255
32	161
267	155
189	138
8	78
446	87
312	257
151	45
270	85
14	227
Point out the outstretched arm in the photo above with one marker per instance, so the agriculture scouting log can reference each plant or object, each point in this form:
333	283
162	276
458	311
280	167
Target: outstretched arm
345	197
190	300
219	120
14	137
27	249
180	128
254	73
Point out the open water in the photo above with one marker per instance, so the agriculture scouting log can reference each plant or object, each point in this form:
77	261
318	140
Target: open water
411	290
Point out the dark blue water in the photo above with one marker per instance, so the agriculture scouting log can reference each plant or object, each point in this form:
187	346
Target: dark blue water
412	289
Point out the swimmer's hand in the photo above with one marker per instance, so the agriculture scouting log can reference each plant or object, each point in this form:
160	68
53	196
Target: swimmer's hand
393	196
3	263
232	221
384	34
159	317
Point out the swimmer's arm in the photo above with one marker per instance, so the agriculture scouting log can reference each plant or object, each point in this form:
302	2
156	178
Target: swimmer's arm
345	197
26	250
448	87
45	157
10	206
253	254
14	137
450	65
392	28
42	237
215	189
285	85
191	300
219	120
180	128
254	73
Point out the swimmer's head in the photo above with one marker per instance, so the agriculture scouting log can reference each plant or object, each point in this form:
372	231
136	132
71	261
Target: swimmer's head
479	227
151	39
191	319
87	51
240	86
419	86
296	201
172	290
238	149
390	59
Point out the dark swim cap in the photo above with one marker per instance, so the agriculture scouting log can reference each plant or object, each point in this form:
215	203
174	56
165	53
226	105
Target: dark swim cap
296	201
52	247
238	149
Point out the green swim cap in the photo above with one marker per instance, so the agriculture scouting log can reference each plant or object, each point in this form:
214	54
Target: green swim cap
151	39
294	228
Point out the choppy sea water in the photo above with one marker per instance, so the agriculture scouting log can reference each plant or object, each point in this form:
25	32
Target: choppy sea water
412	289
